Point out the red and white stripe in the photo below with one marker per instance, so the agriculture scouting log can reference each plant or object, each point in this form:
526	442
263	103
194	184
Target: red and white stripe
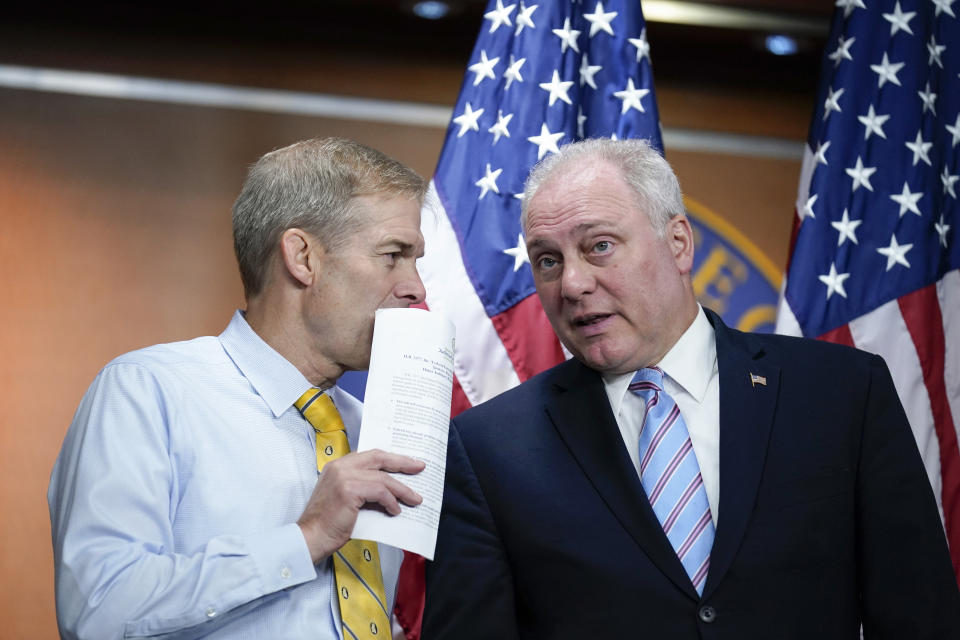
918	335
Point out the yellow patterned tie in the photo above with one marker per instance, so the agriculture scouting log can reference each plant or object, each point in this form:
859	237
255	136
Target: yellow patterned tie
356	565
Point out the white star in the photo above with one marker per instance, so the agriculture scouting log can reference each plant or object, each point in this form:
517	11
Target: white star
834	281
513	71
518	253
929	98
943	6
488	182
847	229
568	37
955	131
842	52
525	17
808	208
899	20
557	88
546	141
587	71
948	181
920	149
499	16
942	230
643	47
896	253
581	119
873	123
468	120
600	21
849	5
831	104
631	97
483	69
820	155
935	50
500	128
861	175
887	71
907	200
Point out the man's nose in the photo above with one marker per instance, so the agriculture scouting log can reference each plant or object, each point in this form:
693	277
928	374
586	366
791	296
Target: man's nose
577	279
410	289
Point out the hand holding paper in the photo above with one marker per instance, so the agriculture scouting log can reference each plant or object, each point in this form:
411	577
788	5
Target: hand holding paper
407	411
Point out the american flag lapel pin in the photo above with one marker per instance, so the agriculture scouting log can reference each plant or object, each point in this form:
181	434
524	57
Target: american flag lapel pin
755	380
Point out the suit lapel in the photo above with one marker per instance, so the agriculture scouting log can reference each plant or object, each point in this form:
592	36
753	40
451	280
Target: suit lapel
592	435
746	416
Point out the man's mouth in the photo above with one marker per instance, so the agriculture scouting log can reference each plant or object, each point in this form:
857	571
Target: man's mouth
590	319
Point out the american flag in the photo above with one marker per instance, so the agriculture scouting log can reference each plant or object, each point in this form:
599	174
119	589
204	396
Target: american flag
875	256
540	75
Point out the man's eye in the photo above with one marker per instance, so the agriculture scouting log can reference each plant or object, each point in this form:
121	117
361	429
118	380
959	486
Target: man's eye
603	246
546	262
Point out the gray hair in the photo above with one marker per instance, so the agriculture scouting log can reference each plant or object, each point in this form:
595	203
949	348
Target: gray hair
654	184
310	185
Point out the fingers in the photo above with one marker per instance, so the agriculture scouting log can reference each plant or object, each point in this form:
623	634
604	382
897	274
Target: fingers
365	478
400	492
348	484
388	494
391	462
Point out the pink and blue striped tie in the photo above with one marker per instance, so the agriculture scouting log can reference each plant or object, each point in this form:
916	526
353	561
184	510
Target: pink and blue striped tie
670	475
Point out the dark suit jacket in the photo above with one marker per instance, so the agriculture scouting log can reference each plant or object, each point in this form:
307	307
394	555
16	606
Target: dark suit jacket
826	516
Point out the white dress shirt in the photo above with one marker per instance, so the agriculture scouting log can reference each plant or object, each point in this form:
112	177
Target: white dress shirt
691	377
174	500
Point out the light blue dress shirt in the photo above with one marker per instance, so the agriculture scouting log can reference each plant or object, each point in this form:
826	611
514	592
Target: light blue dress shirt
174	500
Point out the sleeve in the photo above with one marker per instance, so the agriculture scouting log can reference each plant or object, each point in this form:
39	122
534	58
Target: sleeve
469	585
908	589
113	496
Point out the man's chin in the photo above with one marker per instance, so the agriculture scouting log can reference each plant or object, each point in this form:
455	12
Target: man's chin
598	358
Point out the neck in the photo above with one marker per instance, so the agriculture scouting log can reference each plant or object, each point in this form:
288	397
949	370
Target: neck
278	323
685	318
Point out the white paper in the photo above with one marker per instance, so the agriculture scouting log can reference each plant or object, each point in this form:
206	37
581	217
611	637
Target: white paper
406	410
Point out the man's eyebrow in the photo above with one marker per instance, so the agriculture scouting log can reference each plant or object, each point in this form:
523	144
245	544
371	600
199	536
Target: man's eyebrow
404	245
582	227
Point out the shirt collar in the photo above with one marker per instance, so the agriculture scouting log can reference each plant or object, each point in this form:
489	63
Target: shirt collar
273	377
689	363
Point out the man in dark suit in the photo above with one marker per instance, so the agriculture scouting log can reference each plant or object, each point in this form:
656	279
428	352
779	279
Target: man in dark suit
677	478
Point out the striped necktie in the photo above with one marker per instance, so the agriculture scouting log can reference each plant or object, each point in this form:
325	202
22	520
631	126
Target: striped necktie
356	564
670	475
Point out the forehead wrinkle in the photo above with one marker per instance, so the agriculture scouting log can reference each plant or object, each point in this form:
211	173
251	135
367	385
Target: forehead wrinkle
405	244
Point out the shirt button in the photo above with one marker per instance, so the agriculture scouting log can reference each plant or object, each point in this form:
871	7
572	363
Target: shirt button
707	614
211	612
285	573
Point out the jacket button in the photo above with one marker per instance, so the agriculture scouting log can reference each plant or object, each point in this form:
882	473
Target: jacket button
707	614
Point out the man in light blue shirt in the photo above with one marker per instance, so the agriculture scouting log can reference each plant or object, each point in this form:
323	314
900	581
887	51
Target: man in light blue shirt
185	502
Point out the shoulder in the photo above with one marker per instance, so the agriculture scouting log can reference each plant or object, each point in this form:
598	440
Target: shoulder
791	352
198	350
169	370
175	359
809	349
527	397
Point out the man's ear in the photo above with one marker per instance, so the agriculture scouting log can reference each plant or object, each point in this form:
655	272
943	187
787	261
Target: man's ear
298	250
679	236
